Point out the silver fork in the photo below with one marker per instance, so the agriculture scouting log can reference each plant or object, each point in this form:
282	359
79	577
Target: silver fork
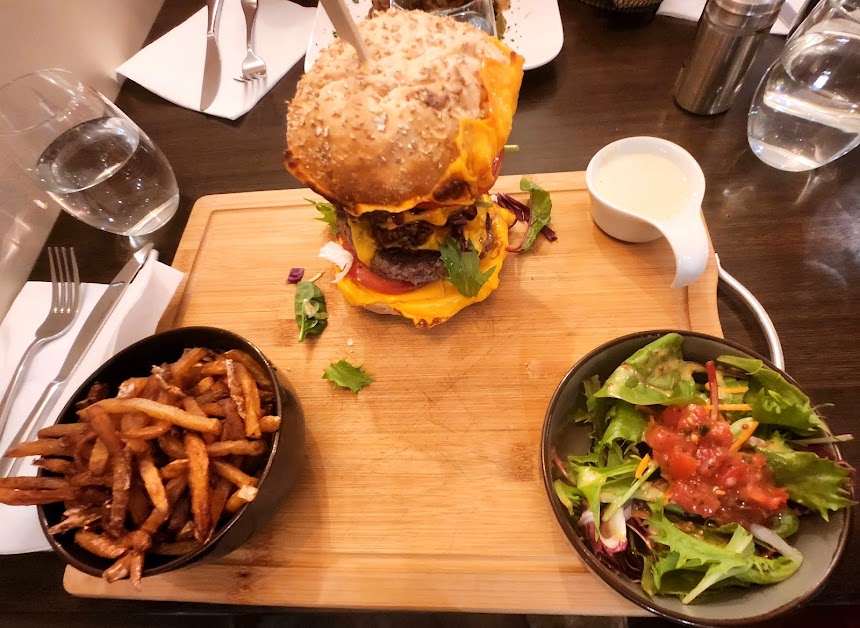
253	67
65	302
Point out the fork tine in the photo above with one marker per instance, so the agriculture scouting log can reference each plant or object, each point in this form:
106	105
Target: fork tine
55	288
76	286
64	281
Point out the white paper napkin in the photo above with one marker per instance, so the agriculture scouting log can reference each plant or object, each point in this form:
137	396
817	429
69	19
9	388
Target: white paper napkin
692	10
133	318
172	66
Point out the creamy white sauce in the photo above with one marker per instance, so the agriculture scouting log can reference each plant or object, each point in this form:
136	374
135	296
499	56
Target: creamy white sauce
643	183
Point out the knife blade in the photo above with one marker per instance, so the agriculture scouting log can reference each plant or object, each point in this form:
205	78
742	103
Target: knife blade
84	340
212	63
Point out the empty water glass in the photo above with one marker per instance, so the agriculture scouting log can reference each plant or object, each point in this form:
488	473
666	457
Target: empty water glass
86	153
806	112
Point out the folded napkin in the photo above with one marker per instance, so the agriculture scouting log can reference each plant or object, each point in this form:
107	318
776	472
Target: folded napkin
692	10
133	318
172	66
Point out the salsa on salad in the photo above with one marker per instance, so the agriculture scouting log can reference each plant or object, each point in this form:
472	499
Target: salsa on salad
698	473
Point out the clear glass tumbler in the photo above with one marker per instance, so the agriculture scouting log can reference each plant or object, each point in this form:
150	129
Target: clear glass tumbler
86	153
478	13
806	111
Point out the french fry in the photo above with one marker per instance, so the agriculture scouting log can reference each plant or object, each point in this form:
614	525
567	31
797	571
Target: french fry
98	457
150	389
175	488
270	423
198	482
96	392
88	478
215	368
220	494
233	427
75	518
236	447
169	392
35	497
252	401
179	369
38	483
99	544
154	521
244	495
176	549
161	412
254	368
118	570
152	481
138	504
172	445
56	465
186	532
146	433
102	425
135	569
174	468
233	473
136	540
213	409
191	406
132	387
217	392
121	490
180	515
62	429
202	386
42	447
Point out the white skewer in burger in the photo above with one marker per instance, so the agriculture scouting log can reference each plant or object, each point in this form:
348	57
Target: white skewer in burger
406	146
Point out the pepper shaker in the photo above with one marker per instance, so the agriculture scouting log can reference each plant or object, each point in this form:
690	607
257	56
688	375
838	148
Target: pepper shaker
729	36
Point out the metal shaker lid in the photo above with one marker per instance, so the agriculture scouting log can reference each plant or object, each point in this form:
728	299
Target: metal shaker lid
745	13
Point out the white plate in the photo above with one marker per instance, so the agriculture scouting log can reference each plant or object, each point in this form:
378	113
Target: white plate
533	30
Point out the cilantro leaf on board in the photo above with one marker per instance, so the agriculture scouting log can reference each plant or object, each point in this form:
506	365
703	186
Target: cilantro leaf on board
464	268
541	211
346	375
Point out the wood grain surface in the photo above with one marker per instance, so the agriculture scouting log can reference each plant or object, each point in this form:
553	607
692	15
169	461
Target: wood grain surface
423	491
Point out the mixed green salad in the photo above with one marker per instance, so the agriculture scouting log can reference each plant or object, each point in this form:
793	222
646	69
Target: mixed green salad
698	474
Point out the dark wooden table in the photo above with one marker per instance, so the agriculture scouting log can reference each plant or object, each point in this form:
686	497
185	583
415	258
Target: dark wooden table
792	238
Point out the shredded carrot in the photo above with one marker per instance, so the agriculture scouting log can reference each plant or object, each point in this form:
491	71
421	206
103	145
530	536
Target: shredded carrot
749	428
730	407
668	494
643	464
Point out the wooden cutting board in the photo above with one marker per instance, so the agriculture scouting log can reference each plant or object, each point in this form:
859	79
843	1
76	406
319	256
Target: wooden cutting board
423	491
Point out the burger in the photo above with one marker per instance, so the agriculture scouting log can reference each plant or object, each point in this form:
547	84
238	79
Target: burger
405	147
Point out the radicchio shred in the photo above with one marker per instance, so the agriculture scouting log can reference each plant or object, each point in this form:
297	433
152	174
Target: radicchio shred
295	275
522	213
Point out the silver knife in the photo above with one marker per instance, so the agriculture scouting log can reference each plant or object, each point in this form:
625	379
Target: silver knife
212	65
90	329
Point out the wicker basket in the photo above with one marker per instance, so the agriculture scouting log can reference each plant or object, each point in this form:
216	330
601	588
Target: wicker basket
625	6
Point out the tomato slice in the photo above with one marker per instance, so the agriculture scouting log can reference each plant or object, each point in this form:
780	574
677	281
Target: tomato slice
362	275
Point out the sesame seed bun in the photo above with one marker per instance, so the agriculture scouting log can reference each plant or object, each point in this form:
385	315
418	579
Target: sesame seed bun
418	125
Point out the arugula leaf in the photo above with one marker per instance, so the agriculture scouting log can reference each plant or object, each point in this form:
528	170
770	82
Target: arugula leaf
811	481
568	495
311	313
345	375
328	214
656	374
701	564
624	423
773	400
541	206
464	269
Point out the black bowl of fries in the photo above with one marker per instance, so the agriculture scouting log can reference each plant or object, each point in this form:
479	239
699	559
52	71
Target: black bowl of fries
163	457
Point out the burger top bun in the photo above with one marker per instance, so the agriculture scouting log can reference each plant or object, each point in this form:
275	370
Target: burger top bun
419	124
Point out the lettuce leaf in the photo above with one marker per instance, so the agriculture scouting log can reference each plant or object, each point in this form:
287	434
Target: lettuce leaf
811	481
568	495
656	374
329	214
347	375
464	267
590	480
624	423
691	565
773	400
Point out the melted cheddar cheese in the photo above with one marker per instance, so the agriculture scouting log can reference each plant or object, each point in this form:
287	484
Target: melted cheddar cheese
438	301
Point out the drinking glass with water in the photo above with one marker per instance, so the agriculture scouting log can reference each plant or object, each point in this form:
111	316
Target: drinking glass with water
806	112
86	153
